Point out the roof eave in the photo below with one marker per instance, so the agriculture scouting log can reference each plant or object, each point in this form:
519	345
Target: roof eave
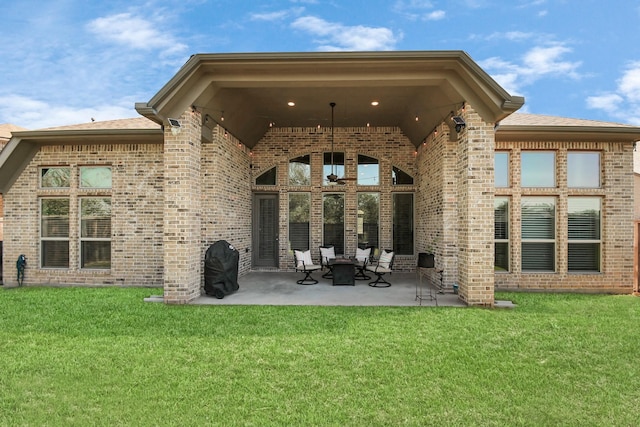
567	133
195	77
49	136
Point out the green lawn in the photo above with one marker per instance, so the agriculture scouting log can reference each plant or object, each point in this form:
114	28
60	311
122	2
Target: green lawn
78	357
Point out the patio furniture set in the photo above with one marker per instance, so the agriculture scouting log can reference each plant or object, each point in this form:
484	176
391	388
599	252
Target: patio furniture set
344	270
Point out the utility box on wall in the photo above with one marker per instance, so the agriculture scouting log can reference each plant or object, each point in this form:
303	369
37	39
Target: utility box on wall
426	260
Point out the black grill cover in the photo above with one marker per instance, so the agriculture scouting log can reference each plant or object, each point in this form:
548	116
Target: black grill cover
221	269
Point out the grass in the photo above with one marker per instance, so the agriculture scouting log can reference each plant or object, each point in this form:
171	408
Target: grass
76	357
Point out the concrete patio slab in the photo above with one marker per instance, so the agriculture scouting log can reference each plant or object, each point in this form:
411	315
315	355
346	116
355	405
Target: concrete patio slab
278	288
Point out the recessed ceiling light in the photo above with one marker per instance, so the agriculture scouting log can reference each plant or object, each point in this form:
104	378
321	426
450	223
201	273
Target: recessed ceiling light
375	103
291	104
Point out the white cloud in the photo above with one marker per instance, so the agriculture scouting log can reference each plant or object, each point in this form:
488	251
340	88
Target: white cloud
518	35
277	15
66	77
134	32
435	15
415	9
629	84
609	102
537	63
38	114
336	36
546	60
269	16
412	4
624	102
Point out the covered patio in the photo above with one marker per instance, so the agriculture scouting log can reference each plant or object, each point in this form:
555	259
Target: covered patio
263	125
280	288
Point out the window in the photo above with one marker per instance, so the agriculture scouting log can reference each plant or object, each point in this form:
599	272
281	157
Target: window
333	221
400	177
267	178
583	169
95	232
95	177
58	177
403	223
584	233
54	233
299	220
333	163
501	234
368	219
501	169
368	170
538	233
538	169
300	170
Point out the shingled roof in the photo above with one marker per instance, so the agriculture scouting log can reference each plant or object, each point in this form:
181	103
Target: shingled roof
525	119
131	123
5	131
539	127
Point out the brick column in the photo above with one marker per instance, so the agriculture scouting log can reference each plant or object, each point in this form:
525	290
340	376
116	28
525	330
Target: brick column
475	206
182	191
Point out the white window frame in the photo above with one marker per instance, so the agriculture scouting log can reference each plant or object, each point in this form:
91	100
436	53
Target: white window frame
51	239
554	168
43	168
82	239
508	171
553	241
586	241
85	168
569	154
507	240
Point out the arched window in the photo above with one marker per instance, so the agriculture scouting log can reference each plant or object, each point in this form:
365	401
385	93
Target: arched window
400	177
300	170
267	178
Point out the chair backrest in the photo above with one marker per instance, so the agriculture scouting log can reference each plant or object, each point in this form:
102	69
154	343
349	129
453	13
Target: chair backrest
326	253
386	259
302	259
364	254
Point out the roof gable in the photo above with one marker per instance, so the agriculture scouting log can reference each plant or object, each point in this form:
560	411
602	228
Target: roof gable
416	91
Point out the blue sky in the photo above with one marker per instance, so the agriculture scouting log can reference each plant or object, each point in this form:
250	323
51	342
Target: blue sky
67	61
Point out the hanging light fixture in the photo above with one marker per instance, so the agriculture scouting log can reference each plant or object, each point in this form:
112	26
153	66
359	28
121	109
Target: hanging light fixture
332	177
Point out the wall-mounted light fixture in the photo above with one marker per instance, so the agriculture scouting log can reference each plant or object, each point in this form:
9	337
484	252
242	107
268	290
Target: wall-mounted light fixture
175	126
459	122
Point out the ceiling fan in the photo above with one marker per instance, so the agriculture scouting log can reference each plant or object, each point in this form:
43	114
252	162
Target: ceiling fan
332	177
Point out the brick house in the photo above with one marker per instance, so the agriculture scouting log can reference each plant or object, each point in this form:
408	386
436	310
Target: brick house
5	135
238	147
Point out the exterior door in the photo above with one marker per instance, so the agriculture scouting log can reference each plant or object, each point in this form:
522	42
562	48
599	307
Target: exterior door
265	230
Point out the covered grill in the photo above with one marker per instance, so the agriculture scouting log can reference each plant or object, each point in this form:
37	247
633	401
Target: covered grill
221	269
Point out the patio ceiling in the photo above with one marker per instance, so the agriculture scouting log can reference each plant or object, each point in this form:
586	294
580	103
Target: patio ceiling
416	91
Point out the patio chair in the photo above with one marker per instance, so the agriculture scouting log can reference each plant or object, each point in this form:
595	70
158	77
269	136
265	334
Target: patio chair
305	264
383	266
363	257
326	253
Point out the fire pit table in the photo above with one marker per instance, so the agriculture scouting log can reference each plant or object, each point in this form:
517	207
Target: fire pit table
344	271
